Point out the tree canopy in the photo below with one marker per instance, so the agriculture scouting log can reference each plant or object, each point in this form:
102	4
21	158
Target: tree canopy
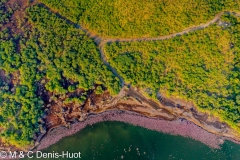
201	67
137	18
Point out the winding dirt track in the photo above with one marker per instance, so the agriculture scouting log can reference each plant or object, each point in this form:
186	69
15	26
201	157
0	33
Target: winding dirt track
215	19
101	41
194	117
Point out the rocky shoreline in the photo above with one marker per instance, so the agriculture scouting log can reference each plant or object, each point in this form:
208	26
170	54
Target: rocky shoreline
180	127
171	116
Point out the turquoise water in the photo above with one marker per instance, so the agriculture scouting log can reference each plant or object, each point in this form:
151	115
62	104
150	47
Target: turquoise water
117	141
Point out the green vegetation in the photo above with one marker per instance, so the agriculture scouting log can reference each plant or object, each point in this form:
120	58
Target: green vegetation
19	115
99	90
75	100
44	53
65	52
4	13
136	18
20	107
202	67
53	55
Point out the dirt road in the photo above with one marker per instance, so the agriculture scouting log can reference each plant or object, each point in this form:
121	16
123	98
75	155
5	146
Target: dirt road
101	41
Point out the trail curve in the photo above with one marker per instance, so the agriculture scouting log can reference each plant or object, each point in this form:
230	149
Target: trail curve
101	41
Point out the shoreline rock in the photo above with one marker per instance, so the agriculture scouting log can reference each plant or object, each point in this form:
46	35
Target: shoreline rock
180	127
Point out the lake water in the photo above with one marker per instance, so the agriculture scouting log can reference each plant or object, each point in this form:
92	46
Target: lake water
117	141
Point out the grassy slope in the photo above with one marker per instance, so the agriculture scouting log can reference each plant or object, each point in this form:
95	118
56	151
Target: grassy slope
201	67
135	18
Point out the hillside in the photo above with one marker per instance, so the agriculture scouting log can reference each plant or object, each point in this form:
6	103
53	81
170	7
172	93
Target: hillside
61	61
135	18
